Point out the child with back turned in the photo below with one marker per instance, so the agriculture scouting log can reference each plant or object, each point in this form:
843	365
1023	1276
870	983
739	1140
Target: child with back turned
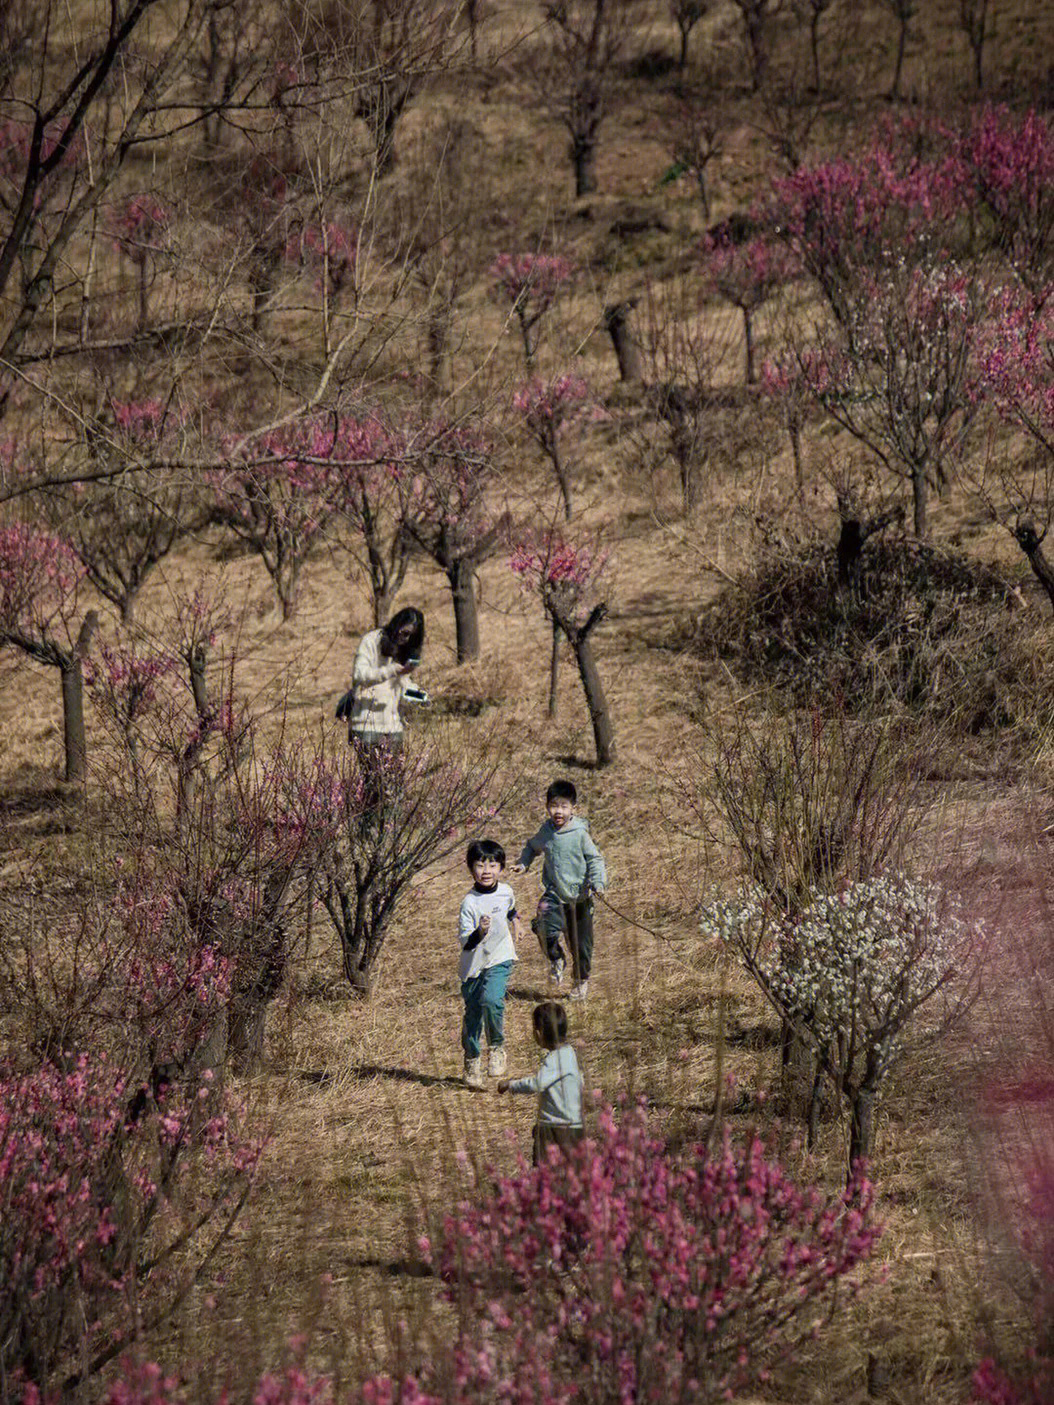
572	870
558	1083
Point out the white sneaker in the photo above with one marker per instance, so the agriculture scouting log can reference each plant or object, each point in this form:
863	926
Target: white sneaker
580	991
497	1063
474	1073
556	971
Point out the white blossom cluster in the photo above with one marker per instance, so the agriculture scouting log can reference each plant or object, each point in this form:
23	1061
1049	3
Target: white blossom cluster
854	967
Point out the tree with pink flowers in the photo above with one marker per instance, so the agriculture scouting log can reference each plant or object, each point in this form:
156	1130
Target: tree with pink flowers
569	579
368	480
853	219
632	1269
40	584
375	834
1005	162
109	1214
123	525
747	275
140	230
447	514
895	373
278	497
546	409
1013	378
530	284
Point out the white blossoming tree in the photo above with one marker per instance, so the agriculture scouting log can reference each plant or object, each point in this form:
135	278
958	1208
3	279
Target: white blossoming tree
852	972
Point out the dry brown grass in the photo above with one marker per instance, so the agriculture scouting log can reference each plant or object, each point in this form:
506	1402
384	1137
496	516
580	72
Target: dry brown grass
366	1115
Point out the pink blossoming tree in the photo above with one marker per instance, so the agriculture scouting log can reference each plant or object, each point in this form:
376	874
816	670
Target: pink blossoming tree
375	833
277	496
546	410
40	581
1006	164
1013	377
530	285
677	1275
569	579
447	515
123	524
140	230
895	371
747	275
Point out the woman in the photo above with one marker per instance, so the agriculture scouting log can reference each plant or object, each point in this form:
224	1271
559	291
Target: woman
383	661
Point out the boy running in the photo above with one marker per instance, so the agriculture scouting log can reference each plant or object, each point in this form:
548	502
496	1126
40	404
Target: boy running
572	870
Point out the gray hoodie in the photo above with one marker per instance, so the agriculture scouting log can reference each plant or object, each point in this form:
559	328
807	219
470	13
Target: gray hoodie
572	862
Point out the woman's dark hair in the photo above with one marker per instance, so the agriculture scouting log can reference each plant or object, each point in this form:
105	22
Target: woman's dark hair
550	1023
412	648
561	790
485	849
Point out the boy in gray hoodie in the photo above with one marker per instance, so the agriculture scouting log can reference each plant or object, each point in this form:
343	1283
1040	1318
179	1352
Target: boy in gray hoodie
572	870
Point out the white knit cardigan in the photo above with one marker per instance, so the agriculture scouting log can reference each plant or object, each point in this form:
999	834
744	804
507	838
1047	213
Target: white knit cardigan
378	688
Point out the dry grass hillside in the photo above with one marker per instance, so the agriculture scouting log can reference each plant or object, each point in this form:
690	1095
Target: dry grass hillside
370	1132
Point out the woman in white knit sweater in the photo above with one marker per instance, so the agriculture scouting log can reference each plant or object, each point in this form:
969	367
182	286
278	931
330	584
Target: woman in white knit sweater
383	662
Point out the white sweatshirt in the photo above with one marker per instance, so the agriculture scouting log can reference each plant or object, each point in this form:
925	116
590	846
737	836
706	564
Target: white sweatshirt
499	904
378	688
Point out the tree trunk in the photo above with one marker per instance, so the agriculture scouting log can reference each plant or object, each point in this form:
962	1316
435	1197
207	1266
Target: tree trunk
862	1126
144	296
748	337
815	1104
76	746
850	551
920	489
245	1036
814	45
199	687
554	671
704	196
462	577
382	604
794	430
553	449
584	157
1031	543
73	720
682	55
902	39
627	352
599	715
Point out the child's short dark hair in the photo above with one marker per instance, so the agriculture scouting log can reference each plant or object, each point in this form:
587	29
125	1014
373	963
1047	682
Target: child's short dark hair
485	849
561	790
550	1023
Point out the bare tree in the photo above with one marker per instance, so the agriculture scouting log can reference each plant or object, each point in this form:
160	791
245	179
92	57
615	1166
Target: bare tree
695	140
436	226
573	73
686	14
419	806
973	21
386	49
814	11
682	349
756	17
72	128
903	11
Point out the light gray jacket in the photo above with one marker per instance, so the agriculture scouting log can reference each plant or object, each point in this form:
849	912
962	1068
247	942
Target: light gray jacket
572	863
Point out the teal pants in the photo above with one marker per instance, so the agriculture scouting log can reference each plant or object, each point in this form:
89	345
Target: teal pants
484	997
